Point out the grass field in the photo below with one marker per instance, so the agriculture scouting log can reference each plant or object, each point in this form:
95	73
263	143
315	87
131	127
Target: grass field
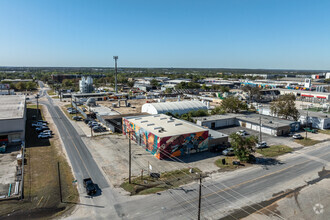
41	182
324	131
229	163
274	150
307	142
70	115
168	180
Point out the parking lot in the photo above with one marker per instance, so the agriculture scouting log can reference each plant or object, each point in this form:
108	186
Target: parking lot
8	165
111	154
271	140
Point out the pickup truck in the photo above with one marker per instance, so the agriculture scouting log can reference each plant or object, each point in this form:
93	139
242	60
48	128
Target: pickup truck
90	186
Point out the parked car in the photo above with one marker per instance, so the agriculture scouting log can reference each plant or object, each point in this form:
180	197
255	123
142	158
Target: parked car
93	124
84	109
242	133
42	128
228	152
38	124
218	148
72	111
44	135
87	120
42	121
77	118
90	186
47	132
261	145
297	136
99	129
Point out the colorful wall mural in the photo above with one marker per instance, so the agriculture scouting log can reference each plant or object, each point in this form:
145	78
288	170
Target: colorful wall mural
164	147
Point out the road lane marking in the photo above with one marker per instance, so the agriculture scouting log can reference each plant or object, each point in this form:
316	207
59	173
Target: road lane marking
248	181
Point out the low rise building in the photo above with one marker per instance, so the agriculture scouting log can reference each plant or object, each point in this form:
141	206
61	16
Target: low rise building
180	107
165	136
12	118
269	125
317	120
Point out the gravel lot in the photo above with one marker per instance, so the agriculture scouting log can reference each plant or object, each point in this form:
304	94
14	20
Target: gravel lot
8	165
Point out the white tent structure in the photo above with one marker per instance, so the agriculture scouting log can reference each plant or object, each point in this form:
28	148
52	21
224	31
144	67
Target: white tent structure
173	107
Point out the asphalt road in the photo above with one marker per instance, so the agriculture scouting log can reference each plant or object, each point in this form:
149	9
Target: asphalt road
81	160
230	195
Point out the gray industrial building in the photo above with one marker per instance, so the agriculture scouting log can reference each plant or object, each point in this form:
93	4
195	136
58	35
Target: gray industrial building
12	118
269	125
317	120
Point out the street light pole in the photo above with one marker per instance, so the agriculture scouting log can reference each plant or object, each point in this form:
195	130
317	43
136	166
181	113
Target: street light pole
37	97
116	58
200	197
306	124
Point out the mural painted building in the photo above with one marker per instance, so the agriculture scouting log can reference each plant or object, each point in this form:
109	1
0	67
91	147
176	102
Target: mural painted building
164	136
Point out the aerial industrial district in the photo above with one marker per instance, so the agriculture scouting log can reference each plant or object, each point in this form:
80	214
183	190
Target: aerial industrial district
164	144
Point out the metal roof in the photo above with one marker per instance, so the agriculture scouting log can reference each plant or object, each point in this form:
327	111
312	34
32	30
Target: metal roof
164	125
181	107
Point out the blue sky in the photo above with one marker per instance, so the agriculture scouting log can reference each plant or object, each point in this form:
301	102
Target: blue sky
279	34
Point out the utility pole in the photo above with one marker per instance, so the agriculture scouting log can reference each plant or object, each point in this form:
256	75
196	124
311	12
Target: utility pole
75	101
116	58
59	180
91	131
200	197
129	157
306	124
260	136
37	97
71	97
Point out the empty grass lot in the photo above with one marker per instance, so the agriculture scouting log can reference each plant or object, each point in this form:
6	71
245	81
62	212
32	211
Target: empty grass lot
229	163
324	131
167	180
307	142
274	150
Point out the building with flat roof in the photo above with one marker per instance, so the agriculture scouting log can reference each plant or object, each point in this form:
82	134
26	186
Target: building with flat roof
12	118
269	125
165	136
317	120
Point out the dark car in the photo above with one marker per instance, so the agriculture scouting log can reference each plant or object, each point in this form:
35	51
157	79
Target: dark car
218	148
90	186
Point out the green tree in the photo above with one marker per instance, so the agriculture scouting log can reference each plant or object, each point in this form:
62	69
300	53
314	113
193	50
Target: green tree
243	146
66	83
168	90
253	92
20	86
232	104
204	87
31	86
218	111
154	83
285	107
130	84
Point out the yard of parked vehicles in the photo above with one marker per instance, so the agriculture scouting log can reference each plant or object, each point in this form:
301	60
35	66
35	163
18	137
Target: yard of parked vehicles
41	127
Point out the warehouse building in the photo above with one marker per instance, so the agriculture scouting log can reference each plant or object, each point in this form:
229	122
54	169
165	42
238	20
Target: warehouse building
180	108
269	125
317	120
12	118
164	136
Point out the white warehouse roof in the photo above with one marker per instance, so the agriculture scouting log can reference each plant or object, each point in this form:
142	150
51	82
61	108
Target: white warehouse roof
173	107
